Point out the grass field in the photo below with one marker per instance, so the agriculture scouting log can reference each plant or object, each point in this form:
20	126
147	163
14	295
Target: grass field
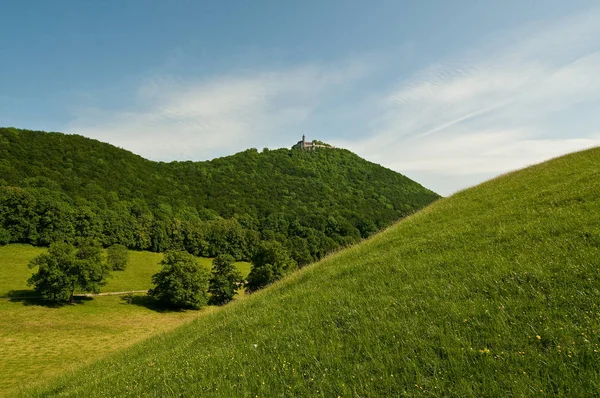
13	267
39	342
141	267
494	291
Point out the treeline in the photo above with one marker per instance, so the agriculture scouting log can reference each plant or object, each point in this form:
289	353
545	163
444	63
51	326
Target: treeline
56	187
40	217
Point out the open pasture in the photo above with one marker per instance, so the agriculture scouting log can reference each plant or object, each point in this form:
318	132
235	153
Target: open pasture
38	342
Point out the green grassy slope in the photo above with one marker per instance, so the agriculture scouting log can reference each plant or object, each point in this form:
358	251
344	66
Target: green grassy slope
492	292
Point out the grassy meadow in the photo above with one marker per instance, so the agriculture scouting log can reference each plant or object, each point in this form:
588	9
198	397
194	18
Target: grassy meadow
141	267
494	291
38	342
13	267
138	275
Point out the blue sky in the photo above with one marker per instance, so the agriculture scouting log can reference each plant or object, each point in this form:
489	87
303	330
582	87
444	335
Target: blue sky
449	93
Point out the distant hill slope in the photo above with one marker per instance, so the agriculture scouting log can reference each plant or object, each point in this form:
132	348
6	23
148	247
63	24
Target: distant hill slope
54	186
494	291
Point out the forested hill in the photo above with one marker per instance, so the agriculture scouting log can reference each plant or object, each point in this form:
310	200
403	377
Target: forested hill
55	187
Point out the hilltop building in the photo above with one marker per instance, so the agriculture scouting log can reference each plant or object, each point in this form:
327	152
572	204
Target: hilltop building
310	146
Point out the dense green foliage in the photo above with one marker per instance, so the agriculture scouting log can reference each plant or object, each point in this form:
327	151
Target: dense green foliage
224	280
117	257
181	282
270	263
493	292
4	237
65	269
56	187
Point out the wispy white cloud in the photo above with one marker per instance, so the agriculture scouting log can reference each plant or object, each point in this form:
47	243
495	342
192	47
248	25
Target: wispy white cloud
494	109
470	158
488	152
173	118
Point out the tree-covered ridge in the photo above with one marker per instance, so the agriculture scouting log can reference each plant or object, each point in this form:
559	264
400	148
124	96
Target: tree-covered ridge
57	187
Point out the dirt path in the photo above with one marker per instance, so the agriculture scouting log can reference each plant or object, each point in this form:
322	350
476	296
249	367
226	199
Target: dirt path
109	293
78	295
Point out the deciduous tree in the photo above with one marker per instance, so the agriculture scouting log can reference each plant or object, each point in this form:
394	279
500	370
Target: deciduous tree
182	282
64	269
270	263
225	279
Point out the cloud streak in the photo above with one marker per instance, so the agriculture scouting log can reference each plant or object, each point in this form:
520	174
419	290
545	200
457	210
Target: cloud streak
494	110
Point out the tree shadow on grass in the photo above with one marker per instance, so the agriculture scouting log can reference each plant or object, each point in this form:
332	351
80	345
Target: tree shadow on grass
30	298
147	302
23	293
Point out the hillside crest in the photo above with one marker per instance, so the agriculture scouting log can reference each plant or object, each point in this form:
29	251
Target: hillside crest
55	186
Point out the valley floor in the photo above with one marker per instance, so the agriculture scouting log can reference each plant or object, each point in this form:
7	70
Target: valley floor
38	342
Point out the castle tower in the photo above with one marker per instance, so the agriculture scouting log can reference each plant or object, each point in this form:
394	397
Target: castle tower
303	138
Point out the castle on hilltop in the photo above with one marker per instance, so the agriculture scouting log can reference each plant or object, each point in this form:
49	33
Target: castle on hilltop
310	146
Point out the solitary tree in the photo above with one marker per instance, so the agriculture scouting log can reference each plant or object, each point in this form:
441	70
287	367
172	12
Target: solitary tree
64	269
117	257
270	263
182	282
224	280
